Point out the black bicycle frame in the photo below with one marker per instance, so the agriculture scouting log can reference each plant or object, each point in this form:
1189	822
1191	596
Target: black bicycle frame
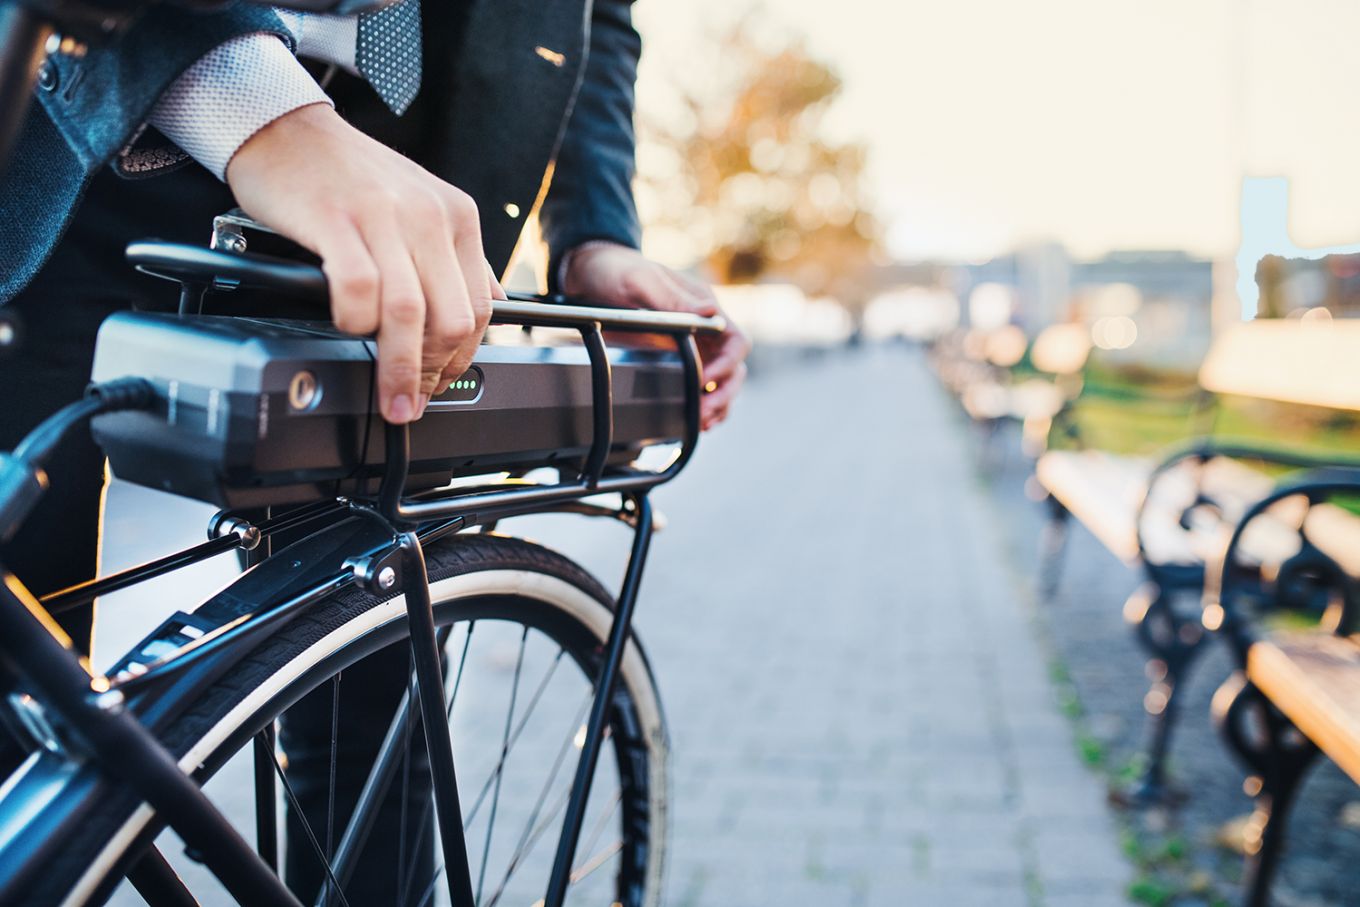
100	715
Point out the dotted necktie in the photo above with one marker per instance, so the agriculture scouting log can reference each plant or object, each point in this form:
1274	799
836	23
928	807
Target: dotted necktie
388	53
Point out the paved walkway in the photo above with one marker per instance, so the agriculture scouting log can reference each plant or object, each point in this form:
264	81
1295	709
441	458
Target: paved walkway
859	708
860	711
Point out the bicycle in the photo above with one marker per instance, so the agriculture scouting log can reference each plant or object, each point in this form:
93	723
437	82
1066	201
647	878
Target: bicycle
388	553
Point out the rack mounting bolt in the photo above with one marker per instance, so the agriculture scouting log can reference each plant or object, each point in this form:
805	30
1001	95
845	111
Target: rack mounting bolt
247	533
379	572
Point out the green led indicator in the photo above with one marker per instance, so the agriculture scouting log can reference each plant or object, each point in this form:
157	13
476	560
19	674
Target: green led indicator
460	390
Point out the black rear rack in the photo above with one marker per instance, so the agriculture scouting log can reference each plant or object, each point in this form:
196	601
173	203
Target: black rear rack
199	271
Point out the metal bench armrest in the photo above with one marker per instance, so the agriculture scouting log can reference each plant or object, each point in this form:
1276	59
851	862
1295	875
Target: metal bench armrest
1318	485
1208	448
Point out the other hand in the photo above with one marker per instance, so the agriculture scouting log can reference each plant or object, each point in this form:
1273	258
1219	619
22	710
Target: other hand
621	276
401	248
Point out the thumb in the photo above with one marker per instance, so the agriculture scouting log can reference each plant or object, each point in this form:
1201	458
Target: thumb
497	291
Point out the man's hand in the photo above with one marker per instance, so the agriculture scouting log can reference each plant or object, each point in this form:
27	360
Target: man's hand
402	249
622	276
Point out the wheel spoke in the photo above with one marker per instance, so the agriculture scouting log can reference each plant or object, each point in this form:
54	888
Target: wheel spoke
311	835
266	798
408	867
532	832
602	822
335	747
514	738
458	677
533	835
596	861
500	765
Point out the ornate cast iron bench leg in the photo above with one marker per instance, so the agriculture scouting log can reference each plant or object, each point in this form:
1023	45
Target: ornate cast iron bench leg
1278	755
1172	641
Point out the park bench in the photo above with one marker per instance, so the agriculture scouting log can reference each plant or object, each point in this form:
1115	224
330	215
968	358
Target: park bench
981	369
1171	517
1296	695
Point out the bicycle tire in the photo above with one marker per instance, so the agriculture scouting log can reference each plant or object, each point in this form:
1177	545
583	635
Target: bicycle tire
471	577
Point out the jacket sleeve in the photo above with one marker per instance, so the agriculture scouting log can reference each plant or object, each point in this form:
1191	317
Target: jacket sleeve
88	109
591	193
99	101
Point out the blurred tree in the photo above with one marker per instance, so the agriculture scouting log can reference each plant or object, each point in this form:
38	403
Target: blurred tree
742	175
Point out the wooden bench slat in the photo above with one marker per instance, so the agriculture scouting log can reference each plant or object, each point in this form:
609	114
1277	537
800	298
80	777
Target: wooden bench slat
1336	533
1289	361
1314	679
1101	490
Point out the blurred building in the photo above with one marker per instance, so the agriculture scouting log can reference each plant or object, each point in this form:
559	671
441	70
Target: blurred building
1277	278
1294	287
1166	296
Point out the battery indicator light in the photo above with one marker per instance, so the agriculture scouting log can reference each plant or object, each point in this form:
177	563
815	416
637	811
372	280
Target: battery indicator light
466	388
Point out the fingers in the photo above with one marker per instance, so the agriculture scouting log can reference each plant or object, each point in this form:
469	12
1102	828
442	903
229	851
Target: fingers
401	248
706	301
352	276
724	371
402	323
722	354
714	406
654	287
449	322
467	247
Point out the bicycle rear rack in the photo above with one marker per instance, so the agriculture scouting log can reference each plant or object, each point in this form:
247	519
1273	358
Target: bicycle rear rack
408	523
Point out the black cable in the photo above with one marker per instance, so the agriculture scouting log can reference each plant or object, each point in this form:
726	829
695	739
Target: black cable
23	477
111	396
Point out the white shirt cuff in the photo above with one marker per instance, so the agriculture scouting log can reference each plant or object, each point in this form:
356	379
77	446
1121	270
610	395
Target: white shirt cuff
231	93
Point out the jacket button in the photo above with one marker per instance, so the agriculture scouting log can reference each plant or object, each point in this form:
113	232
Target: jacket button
511	210
47	76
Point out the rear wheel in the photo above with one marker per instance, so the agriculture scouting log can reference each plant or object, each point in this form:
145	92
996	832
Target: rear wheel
523	630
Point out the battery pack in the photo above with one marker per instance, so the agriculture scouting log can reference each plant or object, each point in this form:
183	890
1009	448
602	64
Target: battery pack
253	412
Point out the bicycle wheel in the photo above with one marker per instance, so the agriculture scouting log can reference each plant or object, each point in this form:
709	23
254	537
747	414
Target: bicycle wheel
524	629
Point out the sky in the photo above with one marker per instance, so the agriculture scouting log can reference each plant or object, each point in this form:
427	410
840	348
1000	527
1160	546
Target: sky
1103	124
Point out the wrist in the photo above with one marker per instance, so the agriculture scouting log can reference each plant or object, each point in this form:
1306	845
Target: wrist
577	259
296	127
229	94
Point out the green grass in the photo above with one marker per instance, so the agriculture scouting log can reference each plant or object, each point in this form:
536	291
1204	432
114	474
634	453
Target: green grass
1092	750
1171	850
1142	413
1146	890
1290	621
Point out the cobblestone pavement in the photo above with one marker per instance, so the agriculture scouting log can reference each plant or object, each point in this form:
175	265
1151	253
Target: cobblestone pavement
859	709
1185	862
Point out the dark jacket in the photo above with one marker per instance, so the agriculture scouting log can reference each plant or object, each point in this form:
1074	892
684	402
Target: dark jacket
509	87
